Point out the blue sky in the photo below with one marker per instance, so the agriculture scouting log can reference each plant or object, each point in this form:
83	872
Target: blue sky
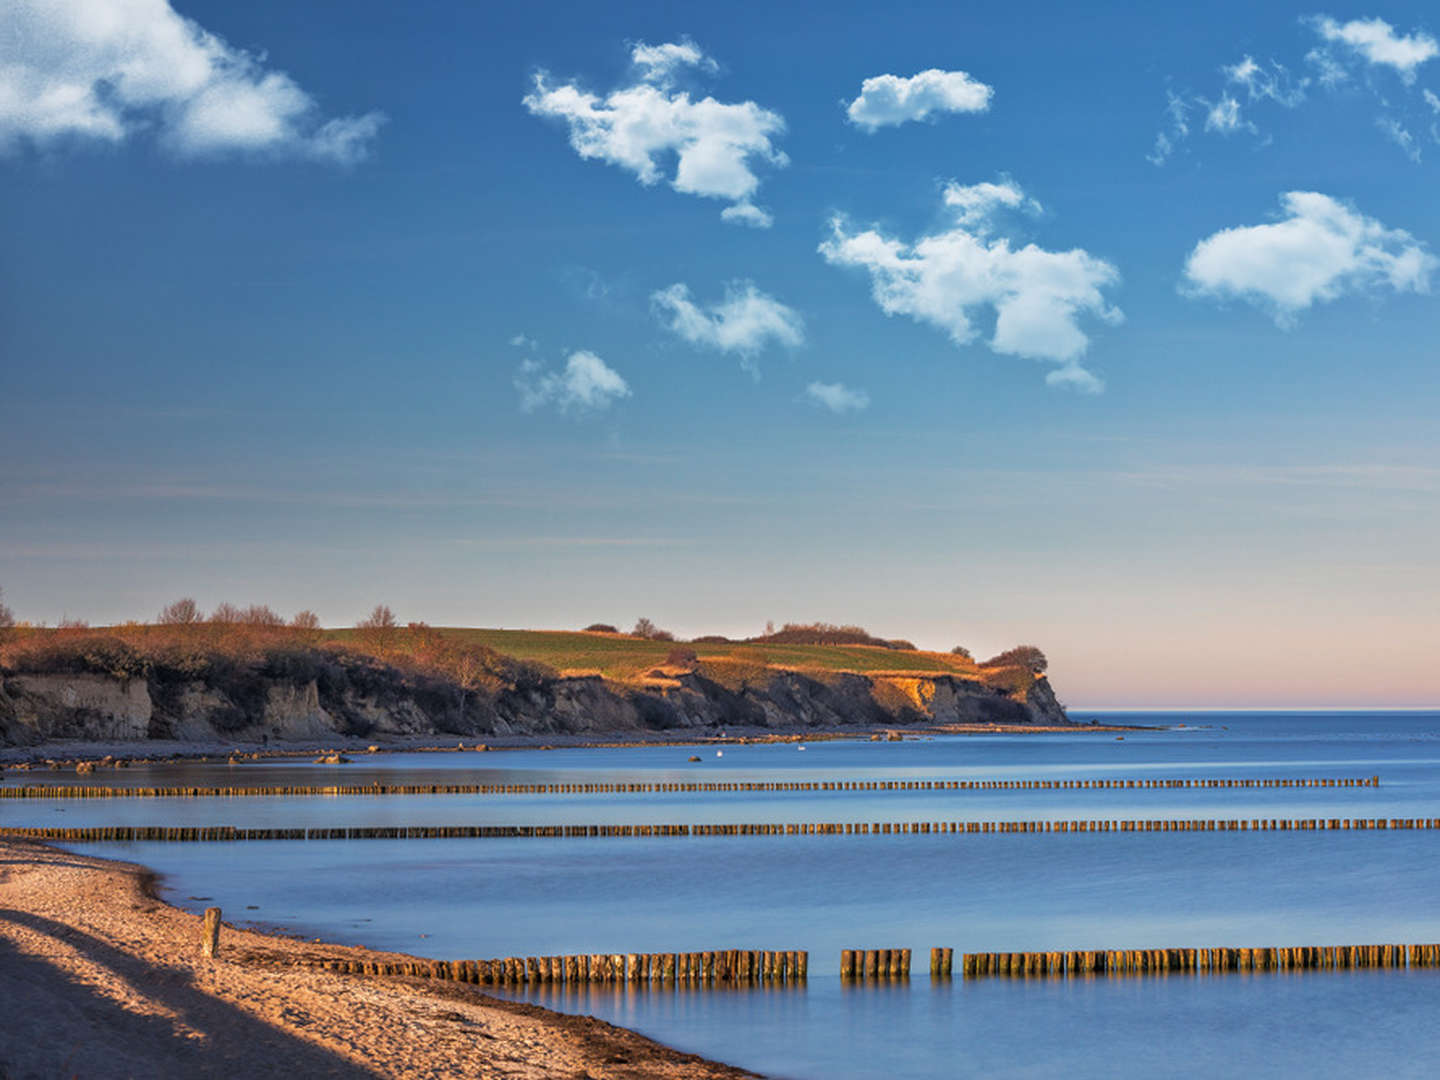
306	305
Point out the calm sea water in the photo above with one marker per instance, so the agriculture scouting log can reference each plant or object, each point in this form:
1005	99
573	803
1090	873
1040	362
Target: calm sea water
476	898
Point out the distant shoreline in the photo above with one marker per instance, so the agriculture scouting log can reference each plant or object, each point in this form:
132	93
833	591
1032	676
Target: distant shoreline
68	753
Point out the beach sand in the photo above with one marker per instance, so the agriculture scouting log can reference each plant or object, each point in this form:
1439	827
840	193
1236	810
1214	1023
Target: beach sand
99	978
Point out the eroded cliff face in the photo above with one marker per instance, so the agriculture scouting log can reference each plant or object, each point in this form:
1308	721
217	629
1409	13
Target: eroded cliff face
42	708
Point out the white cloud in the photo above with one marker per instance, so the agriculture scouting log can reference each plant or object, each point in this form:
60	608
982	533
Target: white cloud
107	69
1075	377
1376	42
975	204
1321	250
837	397
1397	133
744	323
657	63
951	277
887	100
587	384
747	214
640	127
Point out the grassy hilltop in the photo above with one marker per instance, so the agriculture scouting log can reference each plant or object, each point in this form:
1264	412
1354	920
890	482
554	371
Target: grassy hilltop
625	658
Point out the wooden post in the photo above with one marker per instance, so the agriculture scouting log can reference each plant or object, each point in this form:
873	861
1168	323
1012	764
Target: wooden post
210	933
847	963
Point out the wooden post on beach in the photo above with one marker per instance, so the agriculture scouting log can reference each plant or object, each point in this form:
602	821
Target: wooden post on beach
210	933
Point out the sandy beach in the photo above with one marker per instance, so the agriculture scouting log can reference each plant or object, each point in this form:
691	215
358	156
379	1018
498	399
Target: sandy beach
68	752
99	978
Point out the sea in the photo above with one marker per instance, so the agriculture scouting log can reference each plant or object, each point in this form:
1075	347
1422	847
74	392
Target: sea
483	898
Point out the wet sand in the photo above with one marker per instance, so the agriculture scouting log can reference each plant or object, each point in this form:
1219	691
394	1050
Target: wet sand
99	978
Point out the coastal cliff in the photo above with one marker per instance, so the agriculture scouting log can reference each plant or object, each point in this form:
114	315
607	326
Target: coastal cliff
367	700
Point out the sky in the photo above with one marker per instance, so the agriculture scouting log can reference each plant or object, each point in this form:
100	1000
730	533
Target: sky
1110	328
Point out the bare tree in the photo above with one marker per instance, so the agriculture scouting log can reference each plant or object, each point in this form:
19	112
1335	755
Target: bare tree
377	630
644	628
227	613
7	617
183	612
261	615
381	618
305	620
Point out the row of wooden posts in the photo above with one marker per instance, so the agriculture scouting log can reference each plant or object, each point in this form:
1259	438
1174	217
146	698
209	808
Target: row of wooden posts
725	966
1217	961
87	791
228	833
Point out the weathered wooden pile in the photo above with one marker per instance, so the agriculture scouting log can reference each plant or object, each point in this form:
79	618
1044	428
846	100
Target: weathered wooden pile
875	963
229	833
91	791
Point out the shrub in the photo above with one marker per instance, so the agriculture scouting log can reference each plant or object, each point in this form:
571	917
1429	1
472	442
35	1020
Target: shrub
819	633
681	656
646	629
962	652
900	645
600	628
1028	657
711	639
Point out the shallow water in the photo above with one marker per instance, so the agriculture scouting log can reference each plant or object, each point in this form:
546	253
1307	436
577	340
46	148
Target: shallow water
482	898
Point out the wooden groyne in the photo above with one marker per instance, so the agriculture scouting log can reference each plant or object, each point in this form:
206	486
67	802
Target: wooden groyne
715	967
1199	961
93	791
875	963
175	834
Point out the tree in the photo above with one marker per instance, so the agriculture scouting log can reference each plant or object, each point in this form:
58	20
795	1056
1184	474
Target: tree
227	613
305	620
644	628
377	630
962	652
183	612
261	615
381	618
7	617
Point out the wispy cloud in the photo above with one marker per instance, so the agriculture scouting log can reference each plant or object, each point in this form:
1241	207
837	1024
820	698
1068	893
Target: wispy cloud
74	69
1243	85
745	322
837	397
585	384
642	125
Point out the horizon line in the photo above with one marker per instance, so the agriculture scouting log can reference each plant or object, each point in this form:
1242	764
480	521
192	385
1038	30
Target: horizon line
1250	708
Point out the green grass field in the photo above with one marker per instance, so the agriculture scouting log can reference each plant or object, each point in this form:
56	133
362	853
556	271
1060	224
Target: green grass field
621	657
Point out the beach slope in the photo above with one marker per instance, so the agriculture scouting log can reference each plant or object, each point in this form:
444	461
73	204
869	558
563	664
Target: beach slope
100	978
